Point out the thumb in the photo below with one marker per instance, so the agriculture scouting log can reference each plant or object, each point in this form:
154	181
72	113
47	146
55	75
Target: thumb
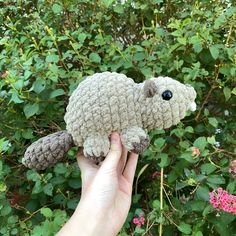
112	159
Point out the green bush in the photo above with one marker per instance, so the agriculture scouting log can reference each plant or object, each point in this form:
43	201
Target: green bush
47	47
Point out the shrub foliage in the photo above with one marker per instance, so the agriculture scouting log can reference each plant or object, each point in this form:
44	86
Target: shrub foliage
47	47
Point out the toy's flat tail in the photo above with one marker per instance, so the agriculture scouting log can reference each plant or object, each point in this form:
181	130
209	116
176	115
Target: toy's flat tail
48	150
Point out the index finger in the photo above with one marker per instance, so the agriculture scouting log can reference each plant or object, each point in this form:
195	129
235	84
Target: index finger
112	159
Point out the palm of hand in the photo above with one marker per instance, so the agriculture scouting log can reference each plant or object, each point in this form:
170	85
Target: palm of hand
109	187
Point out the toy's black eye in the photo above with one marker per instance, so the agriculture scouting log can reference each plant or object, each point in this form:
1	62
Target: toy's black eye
167	95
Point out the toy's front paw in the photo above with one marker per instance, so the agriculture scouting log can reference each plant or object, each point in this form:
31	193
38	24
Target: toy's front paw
96	159
139	147
96	147
135	139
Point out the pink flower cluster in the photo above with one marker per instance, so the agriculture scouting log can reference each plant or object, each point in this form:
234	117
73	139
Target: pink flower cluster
232	170
195	151
221	199
139	221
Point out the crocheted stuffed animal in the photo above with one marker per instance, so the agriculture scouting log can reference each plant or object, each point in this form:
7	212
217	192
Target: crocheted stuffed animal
107	102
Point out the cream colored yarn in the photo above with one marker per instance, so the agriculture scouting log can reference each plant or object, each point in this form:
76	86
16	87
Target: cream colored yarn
107	102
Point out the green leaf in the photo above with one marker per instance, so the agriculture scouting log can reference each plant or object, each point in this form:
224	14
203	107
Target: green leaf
156	204
139	56
3	187
5	210
213	121
164	160
72	203
234	91
208	209
200	143
107	3
75	183
214	50
184	144
27	134
159	143
189	129
32	175
139	231
182	40
203	193
185	228
219	21
38	188
198	233
188	157
216	179
56	8
227	93
60	168
47	212
56	93
48	189
31	109
4	145
207	168
119	9
146	71
211	139
94	57
39	85
15	98
19	84
82	37
27	74
197	47
52	58
231	187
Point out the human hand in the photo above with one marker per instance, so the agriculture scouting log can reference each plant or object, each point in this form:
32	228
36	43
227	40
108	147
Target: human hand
106	193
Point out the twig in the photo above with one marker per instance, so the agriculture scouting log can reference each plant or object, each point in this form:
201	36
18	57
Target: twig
169	200
195	189
229	35
148	228
172	222
139	174
161	201
56	45
204	102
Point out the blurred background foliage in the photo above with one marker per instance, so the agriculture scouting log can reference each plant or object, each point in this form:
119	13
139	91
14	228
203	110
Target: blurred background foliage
48	46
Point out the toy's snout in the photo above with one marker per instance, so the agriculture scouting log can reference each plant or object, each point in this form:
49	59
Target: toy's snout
192	106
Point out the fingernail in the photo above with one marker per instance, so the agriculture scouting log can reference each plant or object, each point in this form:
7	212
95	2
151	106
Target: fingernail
115	137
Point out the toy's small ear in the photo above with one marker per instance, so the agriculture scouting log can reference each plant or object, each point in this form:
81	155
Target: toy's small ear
149	88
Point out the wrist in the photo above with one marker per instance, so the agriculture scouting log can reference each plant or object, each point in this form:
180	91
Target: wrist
87	220
93	220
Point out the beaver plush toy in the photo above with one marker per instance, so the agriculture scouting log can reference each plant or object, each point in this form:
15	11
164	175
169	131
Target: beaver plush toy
107	102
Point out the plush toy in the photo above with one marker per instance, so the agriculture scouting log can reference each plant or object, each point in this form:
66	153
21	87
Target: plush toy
107	102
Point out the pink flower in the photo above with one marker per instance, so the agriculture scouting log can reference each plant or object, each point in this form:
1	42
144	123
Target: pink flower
139	221
156	174
142	220
5	74
195	151
136	221
222	200
233	163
